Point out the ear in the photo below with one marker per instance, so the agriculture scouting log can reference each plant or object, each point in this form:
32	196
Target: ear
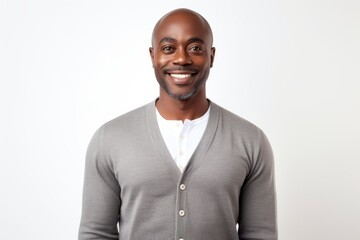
212	56
151	51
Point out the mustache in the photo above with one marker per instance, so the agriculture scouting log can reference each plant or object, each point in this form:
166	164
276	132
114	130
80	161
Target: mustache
185	69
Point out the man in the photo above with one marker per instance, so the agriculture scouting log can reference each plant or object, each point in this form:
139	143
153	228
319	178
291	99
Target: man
180	167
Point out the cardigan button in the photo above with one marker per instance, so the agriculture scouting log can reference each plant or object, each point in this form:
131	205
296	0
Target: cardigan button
182	213
181	239
182	187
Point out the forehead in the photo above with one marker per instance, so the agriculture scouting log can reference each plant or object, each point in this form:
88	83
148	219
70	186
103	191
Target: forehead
182	26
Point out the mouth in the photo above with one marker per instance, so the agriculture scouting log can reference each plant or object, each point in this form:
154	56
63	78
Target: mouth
181	77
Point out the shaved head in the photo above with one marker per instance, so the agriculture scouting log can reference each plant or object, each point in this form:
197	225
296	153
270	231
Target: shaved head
183	14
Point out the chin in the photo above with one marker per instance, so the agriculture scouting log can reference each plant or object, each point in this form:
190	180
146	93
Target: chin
183	97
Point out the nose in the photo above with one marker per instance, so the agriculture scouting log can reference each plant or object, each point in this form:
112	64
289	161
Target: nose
182	57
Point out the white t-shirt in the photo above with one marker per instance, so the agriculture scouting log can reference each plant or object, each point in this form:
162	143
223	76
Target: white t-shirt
182	138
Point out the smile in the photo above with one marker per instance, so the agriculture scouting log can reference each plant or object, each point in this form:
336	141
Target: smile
180	75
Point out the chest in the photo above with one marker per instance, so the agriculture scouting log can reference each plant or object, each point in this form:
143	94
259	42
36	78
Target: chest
143	171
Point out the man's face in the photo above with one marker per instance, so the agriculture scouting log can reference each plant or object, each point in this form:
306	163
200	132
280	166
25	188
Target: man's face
182	55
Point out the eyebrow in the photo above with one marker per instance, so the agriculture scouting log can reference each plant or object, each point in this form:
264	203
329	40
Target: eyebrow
195	39
173	40
167	39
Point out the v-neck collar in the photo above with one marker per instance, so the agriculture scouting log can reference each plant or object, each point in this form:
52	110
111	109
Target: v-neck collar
162	149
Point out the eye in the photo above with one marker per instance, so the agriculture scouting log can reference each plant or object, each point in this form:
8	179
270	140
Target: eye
168	49
195	48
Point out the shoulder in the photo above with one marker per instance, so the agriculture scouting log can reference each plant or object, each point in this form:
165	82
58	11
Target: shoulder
237	131
235	124
124	125
133	117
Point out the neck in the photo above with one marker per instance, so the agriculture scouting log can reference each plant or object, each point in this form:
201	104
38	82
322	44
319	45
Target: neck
174	109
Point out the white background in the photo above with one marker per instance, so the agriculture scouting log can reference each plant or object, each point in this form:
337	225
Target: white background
290	67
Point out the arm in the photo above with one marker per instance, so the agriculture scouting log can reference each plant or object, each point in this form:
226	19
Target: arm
257	218
101	194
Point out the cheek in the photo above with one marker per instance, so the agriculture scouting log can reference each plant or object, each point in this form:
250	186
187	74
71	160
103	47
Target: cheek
161	60
204	61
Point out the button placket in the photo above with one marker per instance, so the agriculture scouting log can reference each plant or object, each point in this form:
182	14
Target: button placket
181	209
182	213
182	141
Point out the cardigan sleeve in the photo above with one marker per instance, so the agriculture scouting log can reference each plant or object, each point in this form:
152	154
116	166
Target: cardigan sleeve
101	194
257	216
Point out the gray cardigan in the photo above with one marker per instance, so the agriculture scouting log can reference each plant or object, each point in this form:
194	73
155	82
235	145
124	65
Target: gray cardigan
132	180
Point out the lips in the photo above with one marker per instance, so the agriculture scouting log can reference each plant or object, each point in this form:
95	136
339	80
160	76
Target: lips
181	78
180	75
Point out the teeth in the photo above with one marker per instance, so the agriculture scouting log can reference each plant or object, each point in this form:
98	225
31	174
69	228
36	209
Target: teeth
174	75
